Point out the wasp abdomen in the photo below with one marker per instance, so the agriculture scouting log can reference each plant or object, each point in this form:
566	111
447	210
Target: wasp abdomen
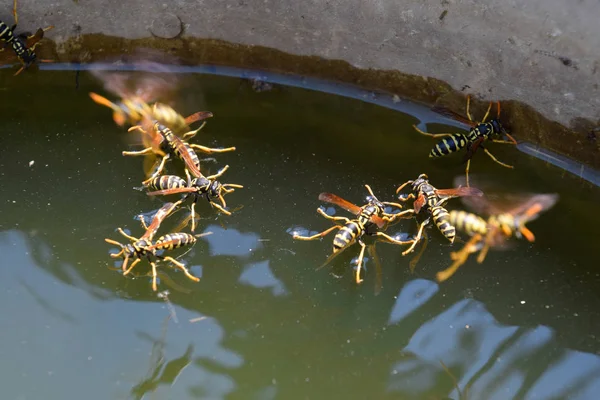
468	222
174	240
448	145
441	218
166	182
346	235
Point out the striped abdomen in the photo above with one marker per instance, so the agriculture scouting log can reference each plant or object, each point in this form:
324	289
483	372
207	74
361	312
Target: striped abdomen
6	33
449	144
173	241
166	182
346	235
441	219
468	222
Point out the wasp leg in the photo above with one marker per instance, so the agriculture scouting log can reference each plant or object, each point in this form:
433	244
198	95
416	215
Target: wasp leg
459	257
486	246
220	208
413	263
468	106
487	113
505	141
15	15
20	70
161	166
359	261
434	135
332	218
467	172
193	214
133	264
394	217
143	221
391	239
416	239
147	150
387	203
402	187
126	235
182	267
153	264
218	174
191	134
209	150
115	255
495	159
318	235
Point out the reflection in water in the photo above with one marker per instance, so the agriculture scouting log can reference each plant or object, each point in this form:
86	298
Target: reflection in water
231	242
414	294
260	276
489	360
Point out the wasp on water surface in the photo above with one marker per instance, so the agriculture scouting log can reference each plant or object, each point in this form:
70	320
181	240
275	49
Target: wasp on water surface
505	219
144	247
162	141
371	219
208	187
22	44
479	133
432	201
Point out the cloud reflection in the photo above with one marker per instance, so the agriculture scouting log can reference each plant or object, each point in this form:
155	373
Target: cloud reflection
492	360
260	276
231	242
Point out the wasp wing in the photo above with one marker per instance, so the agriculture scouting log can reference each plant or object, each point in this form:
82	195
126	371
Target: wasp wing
337	200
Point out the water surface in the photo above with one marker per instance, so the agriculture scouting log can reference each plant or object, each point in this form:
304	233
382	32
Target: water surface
519	326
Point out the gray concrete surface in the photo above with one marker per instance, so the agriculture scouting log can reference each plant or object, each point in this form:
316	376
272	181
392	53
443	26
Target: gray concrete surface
545	53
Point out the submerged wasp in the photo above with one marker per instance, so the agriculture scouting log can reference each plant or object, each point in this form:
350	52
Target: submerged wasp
144	247
432	201
479	133
208	187
370	219
23	44
505	219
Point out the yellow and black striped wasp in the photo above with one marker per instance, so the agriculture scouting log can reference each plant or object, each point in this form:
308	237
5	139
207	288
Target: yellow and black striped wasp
506	218
23	44
432	201
144	247
370	219
208	187
474	139
160	140
140	90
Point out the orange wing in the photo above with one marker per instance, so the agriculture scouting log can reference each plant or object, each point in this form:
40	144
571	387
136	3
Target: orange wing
167	192
419	203
158	218
455	116
346	205
459	192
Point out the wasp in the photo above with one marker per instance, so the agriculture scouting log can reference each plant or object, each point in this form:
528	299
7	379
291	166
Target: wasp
164	142
432	201
208	187
504	220
134	109
144	247
138	93
474	139
370	219
22	44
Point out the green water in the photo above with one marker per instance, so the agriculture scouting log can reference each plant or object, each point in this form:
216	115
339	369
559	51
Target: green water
522	325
